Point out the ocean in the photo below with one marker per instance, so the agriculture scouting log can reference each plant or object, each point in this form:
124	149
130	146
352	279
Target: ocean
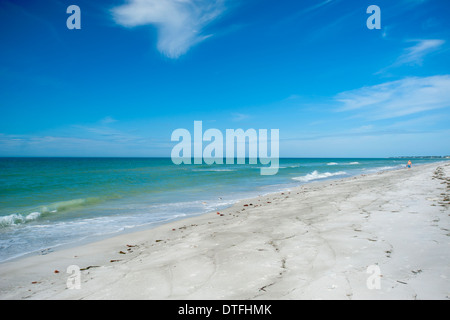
46	203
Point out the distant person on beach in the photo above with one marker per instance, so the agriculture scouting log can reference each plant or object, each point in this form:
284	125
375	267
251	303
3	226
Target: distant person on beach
409	164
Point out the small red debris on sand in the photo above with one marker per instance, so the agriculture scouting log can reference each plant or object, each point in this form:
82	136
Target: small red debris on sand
173	229
269	202
218	212
35	282
56	271
121	252
245	205
221	215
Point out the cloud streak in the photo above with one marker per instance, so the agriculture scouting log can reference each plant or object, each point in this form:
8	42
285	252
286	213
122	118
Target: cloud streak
180	23
414	55
397	98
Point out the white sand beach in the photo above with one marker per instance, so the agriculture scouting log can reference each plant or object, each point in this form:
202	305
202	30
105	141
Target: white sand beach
324	240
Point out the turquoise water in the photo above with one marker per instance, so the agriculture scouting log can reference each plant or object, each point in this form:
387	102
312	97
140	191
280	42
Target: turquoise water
48	202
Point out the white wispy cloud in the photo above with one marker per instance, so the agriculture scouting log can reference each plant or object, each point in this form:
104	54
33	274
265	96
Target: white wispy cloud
45	145
105	130
180	23
239	116
397	98
84	141
317	6
108	120
414	55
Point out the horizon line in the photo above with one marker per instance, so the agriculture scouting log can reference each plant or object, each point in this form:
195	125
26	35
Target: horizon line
158	157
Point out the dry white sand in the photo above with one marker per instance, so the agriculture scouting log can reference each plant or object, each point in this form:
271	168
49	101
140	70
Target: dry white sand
324	240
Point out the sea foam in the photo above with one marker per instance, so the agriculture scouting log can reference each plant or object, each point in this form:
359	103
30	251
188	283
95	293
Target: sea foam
15	218
315	175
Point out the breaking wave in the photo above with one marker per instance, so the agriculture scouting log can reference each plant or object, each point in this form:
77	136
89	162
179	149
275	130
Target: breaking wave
36	213
315	175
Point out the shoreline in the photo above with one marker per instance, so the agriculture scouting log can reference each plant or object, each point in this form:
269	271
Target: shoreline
207	249
148	226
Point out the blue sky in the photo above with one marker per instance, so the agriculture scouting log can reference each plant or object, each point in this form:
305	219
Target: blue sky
139	69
